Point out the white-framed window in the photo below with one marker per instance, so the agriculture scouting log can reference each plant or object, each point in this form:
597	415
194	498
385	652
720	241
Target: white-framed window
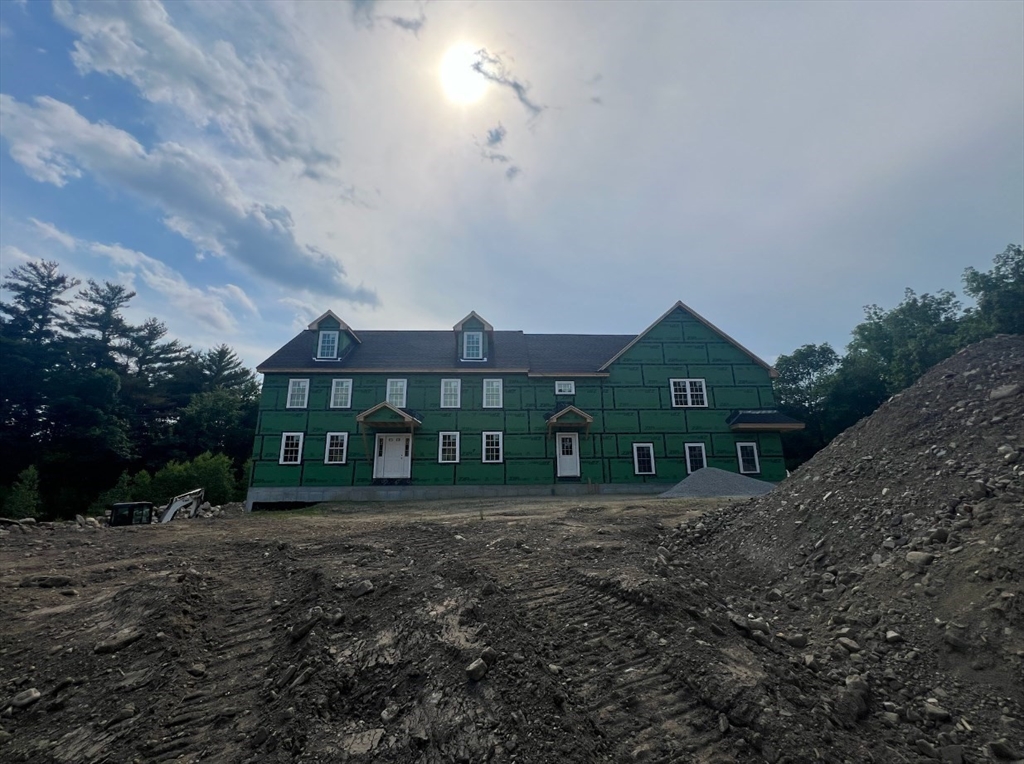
396	393
746	454
298	393
493	452
336	451
291	448
492	393
451	393
696	458
473	346
341	393
328	345
643	458
688	392
448	447
565	388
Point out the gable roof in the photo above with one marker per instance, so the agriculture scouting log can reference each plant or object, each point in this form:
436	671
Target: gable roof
680	305
315	325
473	314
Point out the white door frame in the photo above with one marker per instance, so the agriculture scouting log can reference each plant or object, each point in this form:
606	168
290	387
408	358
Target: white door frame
571	471
380	451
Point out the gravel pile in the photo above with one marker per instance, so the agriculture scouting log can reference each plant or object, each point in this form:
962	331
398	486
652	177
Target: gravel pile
711	482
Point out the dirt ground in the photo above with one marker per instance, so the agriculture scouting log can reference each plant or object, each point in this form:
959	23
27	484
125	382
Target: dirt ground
242	638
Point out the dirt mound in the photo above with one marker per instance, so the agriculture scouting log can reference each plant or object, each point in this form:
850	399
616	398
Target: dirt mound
896	554
713	482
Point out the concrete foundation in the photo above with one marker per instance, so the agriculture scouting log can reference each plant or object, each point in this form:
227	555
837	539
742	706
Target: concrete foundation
285	494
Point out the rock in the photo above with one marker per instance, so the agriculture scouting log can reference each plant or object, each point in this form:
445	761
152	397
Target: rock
489	655
774	595
935	713
920	558
477	669
46	582
849	645
80	520
1004	391
92	522
1003	749
26	698
758	624
362	588
952	754
390	713
197	670
955	639
664	553
796	640
119	641
811	662
893	637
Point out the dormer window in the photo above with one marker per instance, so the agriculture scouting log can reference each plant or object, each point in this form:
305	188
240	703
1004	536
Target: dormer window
328	346
473	346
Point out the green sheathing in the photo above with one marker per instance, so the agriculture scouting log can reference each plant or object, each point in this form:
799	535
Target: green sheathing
631	405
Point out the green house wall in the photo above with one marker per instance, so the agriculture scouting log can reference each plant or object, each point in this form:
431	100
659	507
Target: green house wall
632	404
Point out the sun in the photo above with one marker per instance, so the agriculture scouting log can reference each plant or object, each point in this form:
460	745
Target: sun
462	84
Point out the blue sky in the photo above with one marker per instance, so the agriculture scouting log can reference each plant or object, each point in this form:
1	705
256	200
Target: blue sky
247	166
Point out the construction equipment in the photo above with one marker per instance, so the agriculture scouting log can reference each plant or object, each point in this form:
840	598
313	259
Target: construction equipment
131	513
189	502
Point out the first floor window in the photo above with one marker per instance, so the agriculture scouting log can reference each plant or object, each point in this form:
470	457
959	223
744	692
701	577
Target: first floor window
688	392
492	394
492	447
448	447
643	458
341	394
696	459
565	388
291	448
298	393
396	393
451	393
328	347
337	448
746	453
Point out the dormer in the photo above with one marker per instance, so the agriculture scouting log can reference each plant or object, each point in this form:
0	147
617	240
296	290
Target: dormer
473	337
333	337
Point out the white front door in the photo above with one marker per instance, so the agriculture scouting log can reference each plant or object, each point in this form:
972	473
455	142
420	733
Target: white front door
568	446
393	457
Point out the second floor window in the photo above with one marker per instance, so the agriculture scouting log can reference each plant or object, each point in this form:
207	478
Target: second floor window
688	392
298	393
451	393
492	394
341	393
396	393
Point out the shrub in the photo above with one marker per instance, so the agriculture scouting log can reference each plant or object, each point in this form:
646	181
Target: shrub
23	500
209	471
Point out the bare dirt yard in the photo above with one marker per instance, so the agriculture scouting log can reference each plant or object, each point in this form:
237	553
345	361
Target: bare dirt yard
869	609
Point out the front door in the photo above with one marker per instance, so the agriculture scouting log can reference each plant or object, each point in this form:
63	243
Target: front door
568	446
393	458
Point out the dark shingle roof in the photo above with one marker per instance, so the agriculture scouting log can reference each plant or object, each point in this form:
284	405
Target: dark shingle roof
762	417
438	351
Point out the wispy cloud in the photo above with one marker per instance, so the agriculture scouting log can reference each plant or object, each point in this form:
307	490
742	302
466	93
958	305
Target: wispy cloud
50	231
201	201
493	68
251	102
495	138
365	14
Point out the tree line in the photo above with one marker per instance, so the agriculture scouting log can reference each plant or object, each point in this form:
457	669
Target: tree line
89	401
890	349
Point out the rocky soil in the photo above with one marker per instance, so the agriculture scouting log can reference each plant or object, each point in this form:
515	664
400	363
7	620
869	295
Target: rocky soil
867	610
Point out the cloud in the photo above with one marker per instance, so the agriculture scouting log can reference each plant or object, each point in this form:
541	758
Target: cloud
236	294
50	231
492	67
54	144
304	312
364	15
251	102
12	255
496	135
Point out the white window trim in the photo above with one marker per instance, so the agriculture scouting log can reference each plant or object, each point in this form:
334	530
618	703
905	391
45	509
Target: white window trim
284	439
501	447
465	341
327	448
405	393
335	384
571	387
458	448
686	455
636	460
501	394
320	344
305	399
757	458
689	395
458	393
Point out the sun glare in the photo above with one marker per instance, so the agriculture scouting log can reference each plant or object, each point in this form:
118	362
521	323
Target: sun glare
461	82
